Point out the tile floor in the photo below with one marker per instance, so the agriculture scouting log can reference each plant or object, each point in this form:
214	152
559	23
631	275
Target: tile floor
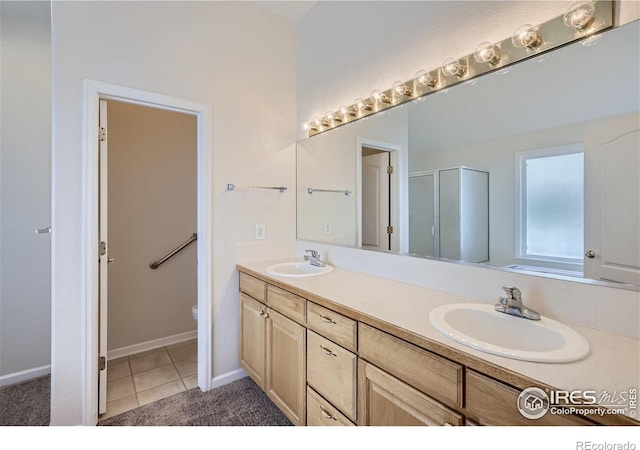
139	379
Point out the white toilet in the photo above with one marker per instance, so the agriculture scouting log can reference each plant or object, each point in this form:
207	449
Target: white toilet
194	312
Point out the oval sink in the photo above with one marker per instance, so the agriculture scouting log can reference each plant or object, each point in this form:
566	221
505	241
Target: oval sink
297	269
481	327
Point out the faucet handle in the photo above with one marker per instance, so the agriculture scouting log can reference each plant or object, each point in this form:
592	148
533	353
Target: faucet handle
512	292
314	253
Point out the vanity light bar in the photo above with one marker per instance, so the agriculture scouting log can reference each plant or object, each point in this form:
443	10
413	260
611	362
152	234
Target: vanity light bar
581	20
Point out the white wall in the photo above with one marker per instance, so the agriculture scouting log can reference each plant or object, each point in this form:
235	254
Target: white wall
232	55
392	41
25	191
151	209
329	161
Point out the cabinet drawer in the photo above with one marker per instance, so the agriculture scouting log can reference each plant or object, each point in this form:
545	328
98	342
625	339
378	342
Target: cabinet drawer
495	403
330	324
425	371
291	305
386	401
321	413
253	287
331	370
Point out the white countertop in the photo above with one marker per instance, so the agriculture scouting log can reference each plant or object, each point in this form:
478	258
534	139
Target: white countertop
613	363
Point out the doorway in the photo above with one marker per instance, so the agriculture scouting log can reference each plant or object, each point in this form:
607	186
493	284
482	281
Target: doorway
94	92
148	283
378	225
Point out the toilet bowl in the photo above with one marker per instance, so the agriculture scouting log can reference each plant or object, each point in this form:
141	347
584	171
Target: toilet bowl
194	312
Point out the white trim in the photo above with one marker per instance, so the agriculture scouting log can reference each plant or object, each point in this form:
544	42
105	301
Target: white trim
151	345
228	377
25	375
521	193
93	92
394	151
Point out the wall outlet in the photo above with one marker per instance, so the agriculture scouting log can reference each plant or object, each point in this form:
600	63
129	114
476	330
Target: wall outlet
261	231
328	229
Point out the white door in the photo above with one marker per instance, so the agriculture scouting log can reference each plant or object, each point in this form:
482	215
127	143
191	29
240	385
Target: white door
375	201
612	200
422	218
103	259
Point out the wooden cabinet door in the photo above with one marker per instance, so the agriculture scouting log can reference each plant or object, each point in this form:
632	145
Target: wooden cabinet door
252	338
383	400
286	366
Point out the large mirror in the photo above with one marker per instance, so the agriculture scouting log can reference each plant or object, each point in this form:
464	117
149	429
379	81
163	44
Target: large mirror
532	168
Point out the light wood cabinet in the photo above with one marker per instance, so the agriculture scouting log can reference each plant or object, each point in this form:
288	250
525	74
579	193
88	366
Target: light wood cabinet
322	413
384	400
332	372
334	326
426	371
253	338
324	368
286	366
495	403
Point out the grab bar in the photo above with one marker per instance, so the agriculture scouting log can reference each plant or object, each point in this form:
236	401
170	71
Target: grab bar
155	264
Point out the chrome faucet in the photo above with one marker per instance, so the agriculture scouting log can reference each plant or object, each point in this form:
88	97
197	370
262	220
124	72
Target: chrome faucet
314	258
512	304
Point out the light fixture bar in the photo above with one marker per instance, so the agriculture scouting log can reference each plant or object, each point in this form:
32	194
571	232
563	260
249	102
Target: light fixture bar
552	34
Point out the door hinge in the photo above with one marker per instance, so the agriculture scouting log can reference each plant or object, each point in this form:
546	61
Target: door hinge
102	248
389	170
102	363
389	230
102	134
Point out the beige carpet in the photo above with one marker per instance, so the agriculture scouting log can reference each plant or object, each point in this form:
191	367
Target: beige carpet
26	403
239	403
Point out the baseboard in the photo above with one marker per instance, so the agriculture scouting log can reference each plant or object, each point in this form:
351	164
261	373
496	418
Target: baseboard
25	375
150	345
227	378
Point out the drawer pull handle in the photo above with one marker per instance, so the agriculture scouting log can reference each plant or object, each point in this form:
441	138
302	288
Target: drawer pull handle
326	414
327	319
327	351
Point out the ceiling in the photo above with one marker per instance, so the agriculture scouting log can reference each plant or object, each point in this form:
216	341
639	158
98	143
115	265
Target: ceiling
292	10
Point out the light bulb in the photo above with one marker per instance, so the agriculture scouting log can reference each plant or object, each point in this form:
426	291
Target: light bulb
363	105
580	15
314	125
380	97
526	36
487	53
347	111
423	78
402	90
452	66
331	117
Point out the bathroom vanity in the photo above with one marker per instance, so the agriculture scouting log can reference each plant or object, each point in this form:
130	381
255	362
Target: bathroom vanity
347	348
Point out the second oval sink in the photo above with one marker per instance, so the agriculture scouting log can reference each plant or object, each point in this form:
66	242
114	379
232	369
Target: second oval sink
481	327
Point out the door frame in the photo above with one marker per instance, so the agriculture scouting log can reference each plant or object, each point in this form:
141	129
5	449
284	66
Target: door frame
394	197
94	91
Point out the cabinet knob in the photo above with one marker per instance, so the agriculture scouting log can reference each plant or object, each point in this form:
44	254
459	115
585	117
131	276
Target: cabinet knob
262	312
590	254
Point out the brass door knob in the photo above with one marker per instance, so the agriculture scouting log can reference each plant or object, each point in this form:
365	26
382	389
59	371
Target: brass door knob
110	260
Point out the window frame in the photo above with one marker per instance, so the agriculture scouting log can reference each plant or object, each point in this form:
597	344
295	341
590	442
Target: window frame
521	200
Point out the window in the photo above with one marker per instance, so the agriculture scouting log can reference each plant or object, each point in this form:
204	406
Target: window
551	204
